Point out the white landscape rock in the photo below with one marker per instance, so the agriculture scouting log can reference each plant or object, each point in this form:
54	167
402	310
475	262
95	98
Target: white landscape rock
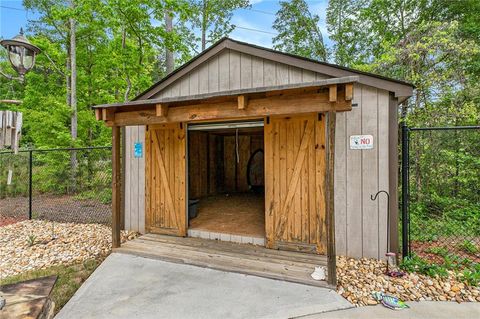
73	243
358	278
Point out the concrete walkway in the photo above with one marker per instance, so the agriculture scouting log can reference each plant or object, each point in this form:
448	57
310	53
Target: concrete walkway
126	286
425	309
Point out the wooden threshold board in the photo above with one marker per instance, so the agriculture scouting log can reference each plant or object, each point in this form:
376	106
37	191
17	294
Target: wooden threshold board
226	256
206	234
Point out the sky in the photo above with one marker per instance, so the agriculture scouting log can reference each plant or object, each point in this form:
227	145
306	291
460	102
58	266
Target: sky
253	26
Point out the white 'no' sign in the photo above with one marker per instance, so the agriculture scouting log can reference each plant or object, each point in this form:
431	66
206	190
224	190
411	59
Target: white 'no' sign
361	142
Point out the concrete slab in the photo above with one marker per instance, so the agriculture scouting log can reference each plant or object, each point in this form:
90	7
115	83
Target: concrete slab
424	309
126	286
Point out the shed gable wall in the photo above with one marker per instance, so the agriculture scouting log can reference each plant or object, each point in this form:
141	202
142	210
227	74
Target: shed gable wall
231	70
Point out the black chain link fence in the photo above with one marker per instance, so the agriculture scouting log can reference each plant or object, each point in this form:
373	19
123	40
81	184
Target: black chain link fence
444	197
62	185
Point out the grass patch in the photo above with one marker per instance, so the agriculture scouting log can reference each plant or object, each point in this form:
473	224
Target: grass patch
70	278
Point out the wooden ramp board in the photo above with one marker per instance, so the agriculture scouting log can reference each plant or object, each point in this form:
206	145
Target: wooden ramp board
241	258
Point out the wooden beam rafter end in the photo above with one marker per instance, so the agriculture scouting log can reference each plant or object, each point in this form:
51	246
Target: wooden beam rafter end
162	110
332	93
108	114
348	91
242	102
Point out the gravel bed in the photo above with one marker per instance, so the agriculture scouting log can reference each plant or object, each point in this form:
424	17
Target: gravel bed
28	245
358	278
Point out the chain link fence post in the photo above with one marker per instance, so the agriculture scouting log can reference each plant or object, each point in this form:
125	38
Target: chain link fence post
30	183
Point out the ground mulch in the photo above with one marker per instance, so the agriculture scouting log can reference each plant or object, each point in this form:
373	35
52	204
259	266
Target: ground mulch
423	249
7	220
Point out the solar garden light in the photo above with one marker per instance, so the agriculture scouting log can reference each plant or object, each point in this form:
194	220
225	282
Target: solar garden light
21	54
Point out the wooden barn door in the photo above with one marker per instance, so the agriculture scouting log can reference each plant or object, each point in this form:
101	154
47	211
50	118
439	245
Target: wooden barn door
295	176
165	178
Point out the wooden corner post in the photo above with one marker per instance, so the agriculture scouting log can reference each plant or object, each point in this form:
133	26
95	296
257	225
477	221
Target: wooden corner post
329	200
116	191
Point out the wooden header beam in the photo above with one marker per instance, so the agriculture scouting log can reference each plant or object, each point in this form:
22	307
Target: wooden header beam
252	108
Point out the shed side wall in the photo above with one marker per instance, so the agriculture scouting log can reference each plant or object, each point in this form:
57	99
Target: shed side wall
134	180
360	223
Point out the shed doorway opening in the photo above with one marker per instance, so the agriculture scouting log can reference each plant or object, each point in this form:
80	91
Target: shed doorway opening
226	181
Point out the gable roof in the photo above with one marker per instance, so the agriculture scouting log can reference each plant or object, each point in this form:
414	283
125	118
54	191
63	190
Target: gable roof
401	89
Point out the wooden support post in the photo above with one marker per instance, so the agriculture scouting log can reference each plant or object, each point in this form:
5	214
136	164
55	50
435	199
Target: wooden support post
162	110
332	93
329	200
242	102
348	91
116	191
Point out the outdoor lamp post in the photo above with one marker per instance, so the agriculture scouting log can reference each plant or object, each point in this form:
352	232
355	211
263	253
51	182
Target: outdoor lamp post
21	54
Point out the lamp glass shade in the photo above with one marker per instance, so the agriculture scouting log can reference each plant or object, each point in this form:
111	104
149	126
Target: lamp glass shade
21	53
15	56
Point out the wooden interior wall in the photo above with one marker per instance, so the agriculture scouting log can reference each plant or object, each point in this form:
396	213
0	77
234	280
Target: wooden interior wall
213	166
295	181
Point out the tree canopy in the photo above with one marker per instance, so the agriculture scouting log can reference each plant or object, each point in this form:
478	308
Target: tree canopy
120	50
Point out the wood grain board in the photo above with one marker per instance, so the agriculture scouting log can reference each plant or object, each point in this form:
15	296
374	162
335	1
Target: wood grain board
165	192
295	178
240	258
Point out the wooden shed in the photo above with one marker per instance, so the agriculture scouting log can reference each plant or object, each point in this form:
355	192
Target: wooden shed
250	145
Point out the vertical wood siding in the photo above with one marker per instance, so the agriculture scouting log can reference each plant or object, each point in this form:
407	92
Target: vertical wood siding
134	180
229	70
361	224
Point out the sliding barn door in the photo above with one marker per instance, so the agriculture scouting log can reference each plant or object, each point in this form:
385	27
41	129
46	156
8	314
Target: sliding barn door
165	177
295	178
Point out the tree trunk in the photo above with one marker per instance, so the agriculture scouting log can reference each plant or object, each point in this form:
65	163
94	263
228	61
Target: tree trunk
204	25
127	76
73	97
169	62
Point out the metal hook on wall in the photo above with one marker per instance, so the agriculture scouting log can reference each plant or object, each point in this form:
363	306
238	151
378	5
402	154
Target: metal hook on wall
373	198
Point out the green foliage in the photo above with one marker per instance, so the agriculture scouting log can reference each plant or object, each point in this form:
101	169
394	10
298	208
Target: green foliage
31	240
212	17
468	247
298	31
465	269
471	275
419	265
104	195
441	251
